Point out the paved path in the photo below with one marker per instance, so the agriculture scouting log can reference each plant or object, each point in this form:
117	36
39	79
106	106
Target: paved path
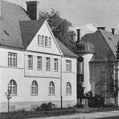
96	115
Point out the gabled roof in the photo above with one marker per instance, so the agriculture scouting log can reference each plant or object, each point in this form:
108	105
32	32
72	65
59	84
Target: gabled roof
13	12
104	45
110	39
65	50
17	30
29	30
10	34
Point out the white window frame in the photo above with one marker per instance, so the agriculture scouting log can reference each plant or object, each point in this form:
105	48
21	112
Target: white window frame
12	87
39	39
68	65
49	42
30	62
47	64
51	88
12	59
55	64
39	63
34	88
68	88
43	41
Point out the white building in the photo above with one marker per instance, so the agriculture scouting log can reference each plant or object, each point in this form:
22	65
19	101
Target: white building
34	65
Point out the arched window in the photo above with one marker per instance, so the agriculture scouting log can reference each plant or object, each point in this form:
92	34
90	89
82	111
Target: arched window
34	88
12	87
68	88
51	88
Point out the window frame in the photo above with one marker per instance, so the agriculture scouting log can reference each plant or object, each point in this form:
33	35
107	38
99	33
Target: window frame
55	64
51	88
30	59
68	88
39	65
12	59
12	87
34	88
48	64
68	65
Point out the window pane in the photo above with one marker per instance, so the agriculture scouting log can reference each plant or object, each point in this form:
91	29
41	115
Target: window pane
68	65
49	42
55	64
30	62
47	64
39	63
12	87
12	59
46	41
34	88
42	40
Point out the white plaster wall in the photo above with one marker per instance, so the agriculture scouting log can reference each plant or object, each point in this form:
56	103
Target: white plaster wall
44	30
43	72
24	87
87	84
4	57
69	77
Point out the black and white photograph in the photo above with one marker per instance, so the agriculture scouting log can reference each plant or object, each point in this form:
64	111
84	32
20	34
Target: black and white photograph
59	59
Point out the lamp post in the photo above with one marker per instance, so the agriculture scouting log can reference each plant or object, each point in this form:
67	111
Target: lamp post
8	95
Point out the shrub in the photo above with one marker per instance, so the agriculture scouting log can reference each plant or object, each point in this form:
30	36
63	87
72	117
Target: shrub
79	105
45	107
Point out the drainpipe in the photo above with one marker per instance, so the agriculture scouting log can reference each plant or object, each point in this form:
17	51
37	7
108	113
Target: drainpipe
61	84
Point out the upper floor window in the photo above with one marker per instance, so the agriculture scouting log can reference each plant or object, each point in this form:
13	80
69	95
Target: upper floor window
12	87
34	88
51	88
49	42
12	59
30	62
47	64
39	39
46	41
68	88
42	41
39	62
55	64
68	65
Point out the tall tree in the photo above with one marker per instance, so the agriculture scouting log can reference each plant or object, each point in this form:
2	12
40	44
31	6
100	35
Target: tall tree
60	27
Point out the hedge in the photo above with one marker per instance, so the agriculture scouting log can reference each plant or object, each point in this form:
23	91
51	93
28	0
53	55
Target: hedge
32	114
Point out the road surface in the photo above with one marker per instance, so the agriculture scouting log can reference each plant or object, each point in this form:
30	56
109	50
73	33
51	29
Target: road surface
95	115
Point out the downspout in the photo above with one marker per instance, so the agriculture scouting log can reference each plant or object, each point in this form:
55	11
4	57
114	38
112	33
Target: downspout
61	84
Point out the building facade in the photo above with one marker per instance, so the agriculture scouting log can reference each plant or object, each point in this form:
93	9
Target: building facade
103	65
34	66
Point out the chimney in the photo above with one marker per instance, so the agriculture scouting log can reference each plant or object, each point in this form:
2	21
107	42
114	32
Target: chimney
102	28
113	30
32	10
78	35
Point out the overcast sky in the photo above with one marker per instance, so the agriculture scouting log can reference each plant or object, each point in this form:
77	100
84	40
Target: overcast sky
81	12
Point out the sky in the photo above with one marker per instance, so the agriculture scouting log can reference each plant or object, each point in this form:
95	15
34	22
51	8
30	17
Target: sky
82	12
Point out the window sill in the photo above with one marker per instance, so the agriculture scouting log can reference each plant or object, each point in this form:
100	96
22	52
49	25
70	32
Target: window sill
34	94
44	46
51	95
39	69
68	95
55	70
30	69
